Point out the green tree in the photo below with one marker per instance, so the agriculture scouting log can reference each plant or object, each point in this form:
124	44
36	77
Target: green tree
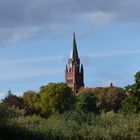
87	102
32	100
132	103
56	98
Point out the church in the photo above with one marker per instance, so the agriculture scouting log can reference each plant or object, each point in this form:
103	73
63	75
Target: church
74	72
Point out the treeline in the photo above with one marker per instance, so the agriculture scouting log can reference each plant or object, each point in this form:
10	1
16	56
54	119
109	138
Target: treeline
58	98
55	112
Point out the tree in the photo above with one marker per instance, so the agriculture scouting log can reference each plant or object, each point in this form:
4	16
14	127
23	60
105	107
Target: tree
32	100
13	100
56	98
132	103
87	102
108	98
111	98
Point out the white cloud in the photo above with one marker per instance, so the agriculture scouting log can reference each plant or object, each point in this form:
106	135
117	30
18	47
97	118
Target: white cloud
20	73
32	60
26	68
112	53
9	35
99	18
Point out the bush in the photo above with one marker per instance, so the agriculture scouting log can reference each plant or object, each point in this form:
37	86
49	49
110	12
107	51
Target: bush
7	112
109	126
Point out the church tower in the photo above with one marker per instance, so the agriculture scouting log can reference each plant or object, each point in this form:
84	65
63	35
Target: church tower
74	73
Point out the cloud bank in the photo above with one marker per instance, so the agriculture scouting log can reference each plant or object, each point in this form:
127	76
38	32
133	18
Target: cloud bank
27	18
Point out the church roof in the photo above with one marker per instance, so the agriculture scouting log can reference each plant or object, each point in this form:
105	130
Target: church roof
74	52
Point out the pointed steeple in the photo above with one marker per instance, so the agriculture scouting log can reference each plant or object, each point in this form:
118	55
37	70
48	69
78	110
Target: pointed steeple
74	52
74	74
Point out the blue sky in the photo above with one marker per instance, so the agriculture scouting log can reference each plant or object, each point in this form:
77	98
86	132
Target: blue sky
36	40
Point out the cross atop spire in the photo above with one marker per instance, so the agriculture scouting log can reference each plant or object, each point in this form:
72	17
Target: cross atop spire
74	52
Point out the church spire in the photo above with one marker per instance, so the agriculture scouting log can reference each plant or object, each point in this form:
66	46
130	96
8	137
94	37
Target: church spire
74	52
74	73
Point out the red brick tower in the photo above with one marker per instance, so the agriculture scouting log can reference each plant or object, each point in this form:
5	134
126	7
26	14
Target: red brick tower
74	73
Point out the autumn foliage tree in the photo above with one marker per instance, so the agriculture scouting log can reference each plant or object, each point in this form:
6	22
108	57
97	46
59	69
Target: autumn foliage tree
107	98
13	100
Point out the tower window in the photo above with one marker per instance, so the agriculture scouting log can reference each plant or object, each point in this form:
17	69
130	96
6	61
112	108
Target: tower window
70	80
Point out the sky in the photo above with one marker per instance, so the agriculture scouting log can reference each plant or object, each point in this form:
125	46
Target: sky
36	41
